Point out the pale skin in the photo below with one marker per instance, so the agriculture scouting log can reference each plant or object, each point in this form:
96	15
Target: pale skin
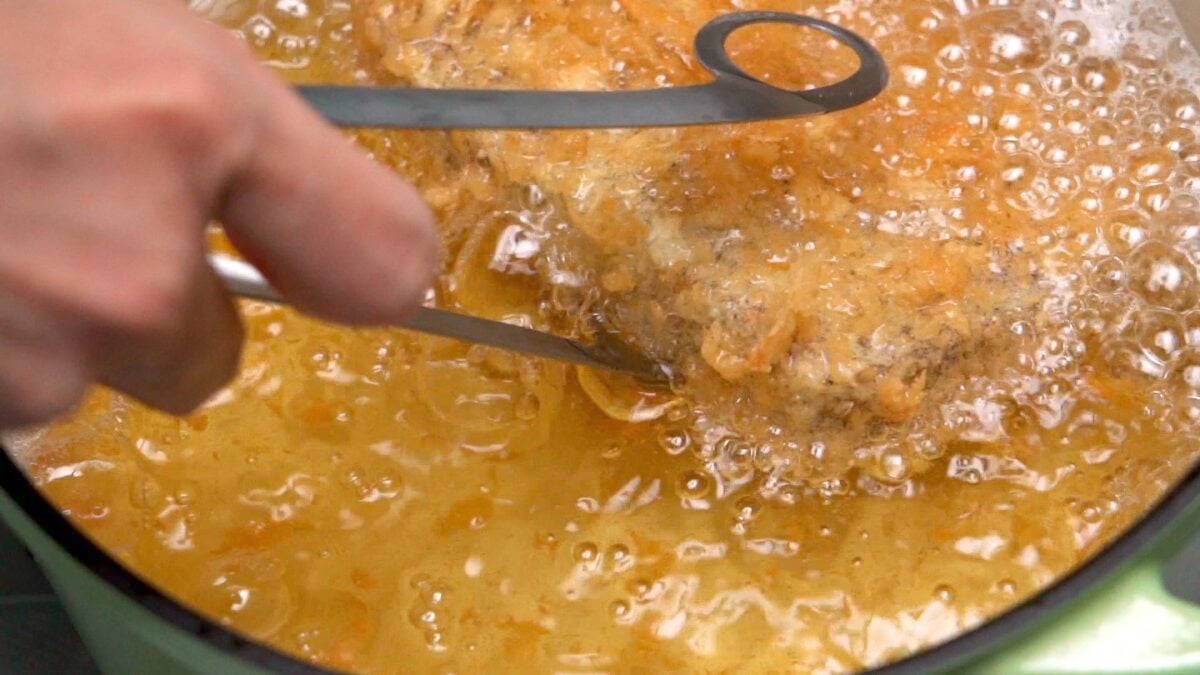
126	126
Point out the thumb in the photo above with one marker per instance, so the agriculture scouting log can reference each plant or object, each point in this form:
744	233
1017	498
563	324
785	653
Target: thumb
340	236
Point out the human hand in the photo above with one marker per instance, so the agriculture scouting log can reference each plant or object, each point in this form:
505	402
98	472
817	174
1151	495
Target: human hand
125	127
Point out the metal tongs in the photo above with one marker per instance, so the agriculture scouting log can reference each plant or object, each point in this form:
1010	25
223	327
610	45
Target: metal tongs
732	96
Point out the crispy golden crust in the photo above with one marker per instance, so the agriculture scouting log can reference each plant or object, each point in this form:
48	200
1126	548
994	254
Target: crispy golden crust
816	268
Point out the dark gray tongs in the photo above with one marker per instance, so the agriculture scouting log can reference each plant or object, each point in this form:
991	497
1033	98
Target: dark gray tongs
732	96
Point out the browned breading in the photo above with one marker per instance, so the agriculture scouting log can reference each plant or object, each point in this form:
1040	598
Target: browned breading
815	269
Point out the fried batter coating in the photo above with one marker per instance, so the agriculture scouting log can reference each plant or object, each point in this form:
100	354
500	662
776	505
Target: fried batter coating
818	276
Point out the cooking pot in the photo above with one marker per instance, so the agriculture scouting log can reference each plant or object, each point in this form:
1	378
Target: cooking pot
1112	614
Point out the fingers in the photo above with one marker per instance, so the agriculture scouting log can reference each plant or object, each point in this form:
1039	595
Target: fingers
340	236
107	190
37	382
135	313
174	363
41	372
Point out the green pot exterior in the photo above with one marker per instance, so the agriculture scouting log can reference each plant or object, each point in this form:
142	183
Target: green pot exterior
122	636
1127	624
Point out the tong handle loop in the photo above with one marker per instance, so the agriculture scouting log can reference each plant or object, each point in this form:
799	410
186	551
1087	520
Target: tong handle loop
733	95
863	85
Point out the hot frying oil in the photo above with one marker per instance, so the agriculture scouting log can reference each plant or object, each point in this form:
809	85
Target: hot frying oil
386	502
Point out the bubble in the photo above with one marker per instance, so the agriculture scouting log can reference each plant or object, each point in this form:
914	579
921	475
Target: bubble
1027	85
1064	56
766	457
1088	202
1127	229
640	587
1163	276
1189	155
586	552
739	455
1092	511
1108	275
1121	193
1103	133
952	57
618	554
1099	169
618	609
1098	76
1058	80
1182	105
921	19
894	465
434	593
1126	120
1004	41
944	593
1176	138
426	612
674	440
834	487
258	31
678	413
435	640
1152	164
1154	125
747	509
1127	359
1074	33
1187	369
423	617
1007	586
1161	333
1156	198
1020	171
1065	182
925	447
1058	150
693	485
914	72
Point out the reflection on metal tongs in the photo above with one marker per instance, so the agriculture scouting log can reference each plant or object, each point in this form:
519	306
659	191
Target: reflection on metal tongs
732	96
243	279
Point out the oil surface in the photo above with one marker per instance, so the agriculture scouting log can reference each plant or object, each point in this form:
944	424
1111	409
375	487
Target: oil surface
386	502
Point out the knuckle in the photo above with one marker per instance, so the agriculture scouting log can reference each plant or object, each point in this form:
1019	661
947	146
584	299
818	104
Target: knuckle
192	110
